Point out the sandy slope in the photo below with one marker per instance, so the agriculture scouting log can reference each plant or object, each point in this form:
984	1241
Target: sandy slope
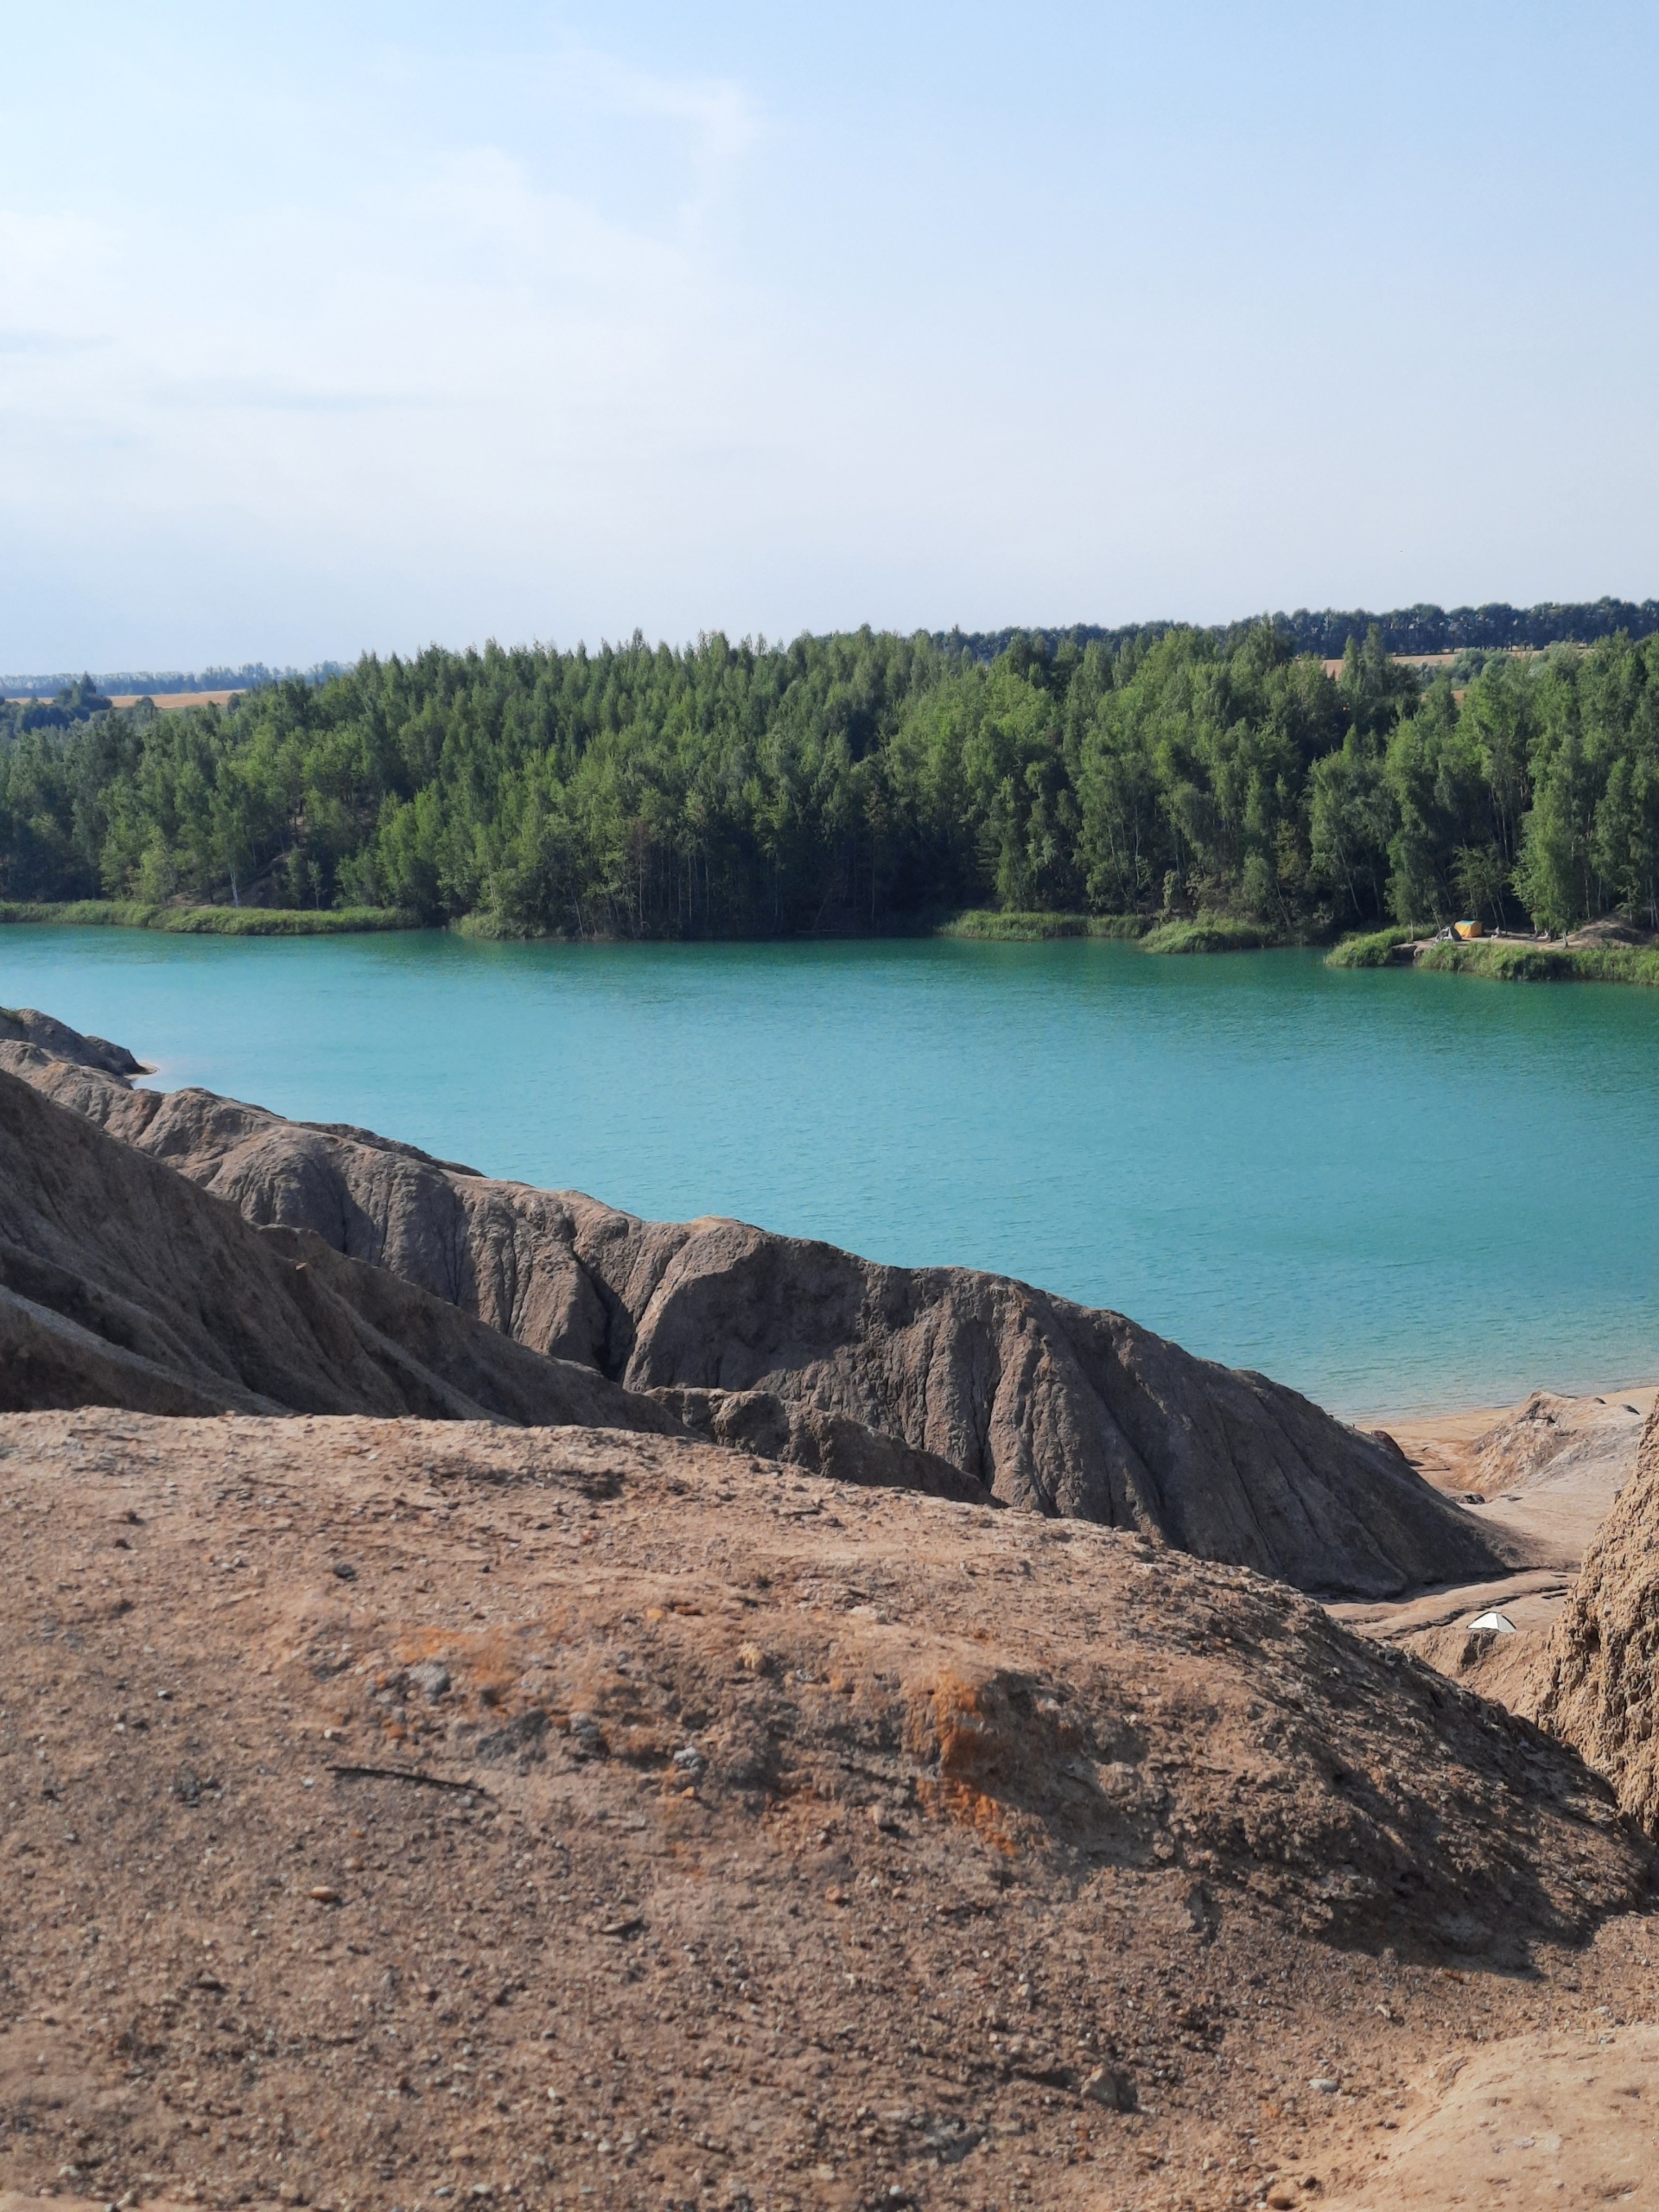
1554	2118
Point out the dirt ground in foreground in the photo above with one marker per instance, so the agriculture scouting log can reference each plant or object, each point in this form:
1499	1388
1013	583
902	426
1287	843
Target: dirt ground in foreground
403	1813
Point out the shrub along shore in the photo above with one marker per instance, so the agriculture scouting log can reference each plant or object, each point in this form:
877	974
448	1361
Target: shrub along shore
1498	960
207	921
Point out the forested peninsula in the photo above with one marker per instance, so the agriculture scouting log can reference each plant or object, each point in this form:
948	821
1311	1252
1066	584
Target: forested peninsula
869	782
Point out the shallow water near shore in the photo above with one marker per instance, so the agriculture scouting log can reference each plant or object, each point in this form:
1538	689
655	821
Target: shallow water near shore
1395	1191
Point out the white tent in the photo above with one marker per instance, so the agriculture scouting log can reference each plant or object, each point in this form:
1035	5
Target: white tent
1499	1623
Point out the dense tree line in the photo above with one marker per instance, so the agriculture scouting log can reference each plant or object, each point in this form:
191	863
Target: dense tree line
868	780
1328	631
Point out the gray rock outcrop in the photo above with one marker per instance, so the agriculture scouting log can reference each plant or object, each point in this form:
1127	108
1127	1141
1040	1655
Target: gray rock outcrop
122	1284
24	1026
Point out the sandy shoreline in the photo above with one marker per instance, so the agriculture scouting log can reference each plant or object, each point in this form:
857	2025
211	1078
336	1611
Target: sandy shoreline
1465	1421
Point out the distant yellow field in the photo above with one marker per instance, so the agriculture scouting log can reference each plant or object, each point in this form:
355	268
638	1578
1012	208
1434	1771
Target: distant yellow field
168	700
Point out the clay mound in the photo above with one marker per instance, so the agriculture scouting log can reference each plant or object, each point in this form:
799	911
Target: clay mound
406	1808
1597	1684
1555	1439
25	1026
122	1284
1047	1405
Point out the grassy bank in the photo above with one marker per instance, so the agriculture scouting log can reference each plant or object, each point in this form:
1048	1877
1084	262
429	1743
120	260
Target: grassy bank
1208	933
490	929
1546	963
1375	949
1504	959
209	921
1032	928
1211	934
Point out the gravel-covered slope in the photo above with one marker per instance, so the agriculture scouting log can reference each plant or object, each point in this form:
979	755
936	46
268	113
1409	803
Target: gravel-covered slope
395	1808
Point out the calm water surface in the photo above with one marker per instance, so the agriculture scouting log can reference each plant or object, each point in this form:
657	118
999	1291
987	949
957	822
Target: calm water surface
1391	1190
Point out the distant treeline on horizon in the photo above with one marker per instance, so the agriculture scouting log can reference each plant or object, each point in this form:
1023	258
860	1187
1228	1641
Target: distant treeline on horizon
148	683
865	780
1327	632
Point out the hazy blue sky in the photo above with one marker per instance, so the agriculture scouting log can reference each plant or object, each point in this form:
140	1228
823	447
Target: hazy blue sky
324	327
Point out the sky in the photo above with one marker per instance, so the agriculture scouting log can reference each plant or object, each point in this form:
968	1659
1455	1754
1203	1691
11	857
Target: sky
336	327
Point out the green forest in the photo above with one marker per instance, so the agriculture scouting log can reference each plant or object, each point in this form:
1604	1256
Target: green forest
867	781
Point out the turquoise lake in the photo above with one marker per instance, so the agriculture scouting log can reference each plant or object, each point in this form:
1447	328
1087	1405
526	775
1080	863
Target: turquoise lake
1394	1191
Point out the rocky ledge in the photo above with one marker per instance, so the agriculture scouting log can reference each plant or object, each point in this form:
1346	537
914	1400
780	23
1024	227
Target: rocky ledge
945	1380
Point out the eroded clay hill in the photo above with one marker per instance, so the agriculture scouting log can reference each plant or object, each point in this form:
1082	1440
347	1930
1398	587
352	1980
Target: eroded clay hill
400	1812
1597	1685
122	1284
799	1351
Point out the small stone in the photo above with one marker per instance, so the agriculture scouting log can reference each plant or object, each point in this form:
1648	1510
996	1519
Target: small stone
323	1895
431	1678
586	1737
1110	2089
1325	2085
344	1570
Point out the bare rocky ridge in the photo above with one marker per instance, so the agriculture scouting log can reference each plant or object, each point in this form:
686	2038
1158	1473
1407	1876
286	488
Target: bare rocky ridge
25	1027
121	1283
1597	1683
397	1808
863	1371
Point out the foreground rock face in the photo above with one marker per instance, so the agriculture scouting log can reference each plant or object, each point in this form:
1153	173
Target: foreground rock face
794	1347
396	1807
1597	1685
122	1284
